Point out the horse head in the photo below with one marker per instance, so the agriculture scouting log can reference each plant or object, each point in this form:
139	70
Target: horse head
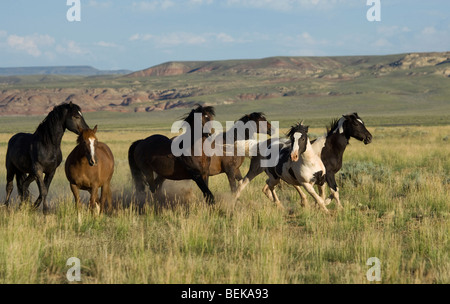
354	127
261	123
88	141
74	120
298	135
207	114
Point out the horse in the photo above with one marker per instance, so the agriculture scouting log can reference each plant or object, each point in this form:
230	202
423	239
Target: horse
331	148
298	165
154	155
40	153
230	164
90	166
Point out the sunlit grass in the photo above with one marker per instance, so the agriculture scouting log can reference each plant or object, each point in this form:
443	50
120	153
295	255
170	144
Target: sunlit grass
395	193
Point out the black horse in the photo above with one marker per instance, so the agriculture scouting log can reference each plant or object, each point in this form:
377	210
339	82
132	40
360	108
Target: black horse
153	155
30	156
331	148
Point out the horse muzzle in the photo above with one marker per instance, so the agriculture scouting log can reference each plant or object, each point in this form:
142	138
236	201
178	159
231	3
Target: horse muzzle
294	156
92	163
367	140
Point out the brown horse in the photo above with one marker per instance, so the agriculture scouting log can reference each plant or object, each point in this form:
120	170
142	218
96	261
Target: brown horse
90	166
230	164
152	160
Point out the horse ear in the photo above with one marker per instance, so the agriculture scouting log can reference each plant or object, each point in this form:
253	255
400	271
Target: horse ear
71	104
95	129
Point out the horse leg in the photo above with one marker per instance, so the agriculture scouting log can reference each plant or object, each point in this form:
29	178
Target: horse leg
237	174
103	199
20	179
231	179
42	192
319	200
335	195
76	195
304	199
322	193
26	184
204	188
93	206
269	190
254	170
150	179
9	184
106	197
109	197
47	181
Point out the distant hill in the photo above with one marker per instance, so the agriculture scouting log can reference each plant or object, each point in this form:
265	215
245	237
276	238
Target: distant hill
376	84
249	67
313	66
58	70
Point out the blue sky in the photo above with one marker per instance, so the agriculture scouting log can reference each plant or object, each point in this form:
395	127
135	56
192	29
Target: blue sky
138	34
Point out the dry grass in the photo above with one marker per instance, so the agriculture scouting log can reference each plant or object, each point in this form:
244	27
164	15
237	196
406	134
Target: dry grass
395	193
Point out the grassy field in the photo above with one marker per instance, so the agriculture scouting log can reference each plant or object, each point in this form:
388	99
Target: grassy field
395	193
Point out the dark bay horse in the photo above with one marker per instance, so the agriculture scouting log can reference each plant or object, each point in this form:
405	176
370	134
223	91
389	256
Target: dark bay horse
331	148
90	166
40	153
230	164
151	160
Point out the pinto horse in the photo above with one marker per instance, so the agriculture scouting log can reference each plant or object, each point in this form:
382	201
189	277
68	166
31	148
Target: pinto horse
90	166
331	148
30	156
230	164
298	165
153	155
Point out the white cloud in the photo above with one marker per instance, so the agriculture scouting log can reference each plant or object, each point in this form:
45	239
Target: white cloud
141	37
200	2
175	39
429	30
153	5
184	38
30	44
382	43
222	37
389	31
106	44
99	4
71	48
287	5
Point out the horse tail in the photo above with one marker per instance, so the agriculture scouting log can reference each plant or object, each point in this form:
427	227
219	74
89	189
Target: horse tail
136	173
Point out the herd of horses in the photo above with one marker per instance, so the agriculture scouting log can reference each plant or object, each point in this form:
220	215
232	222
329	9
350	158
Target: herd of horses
90	166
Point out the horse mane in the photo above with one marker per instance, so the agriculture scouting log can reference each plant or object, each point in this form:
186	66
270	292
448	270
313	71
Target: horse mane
335	123
205	110
46	128
80	138
333	126
253	116
299	127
